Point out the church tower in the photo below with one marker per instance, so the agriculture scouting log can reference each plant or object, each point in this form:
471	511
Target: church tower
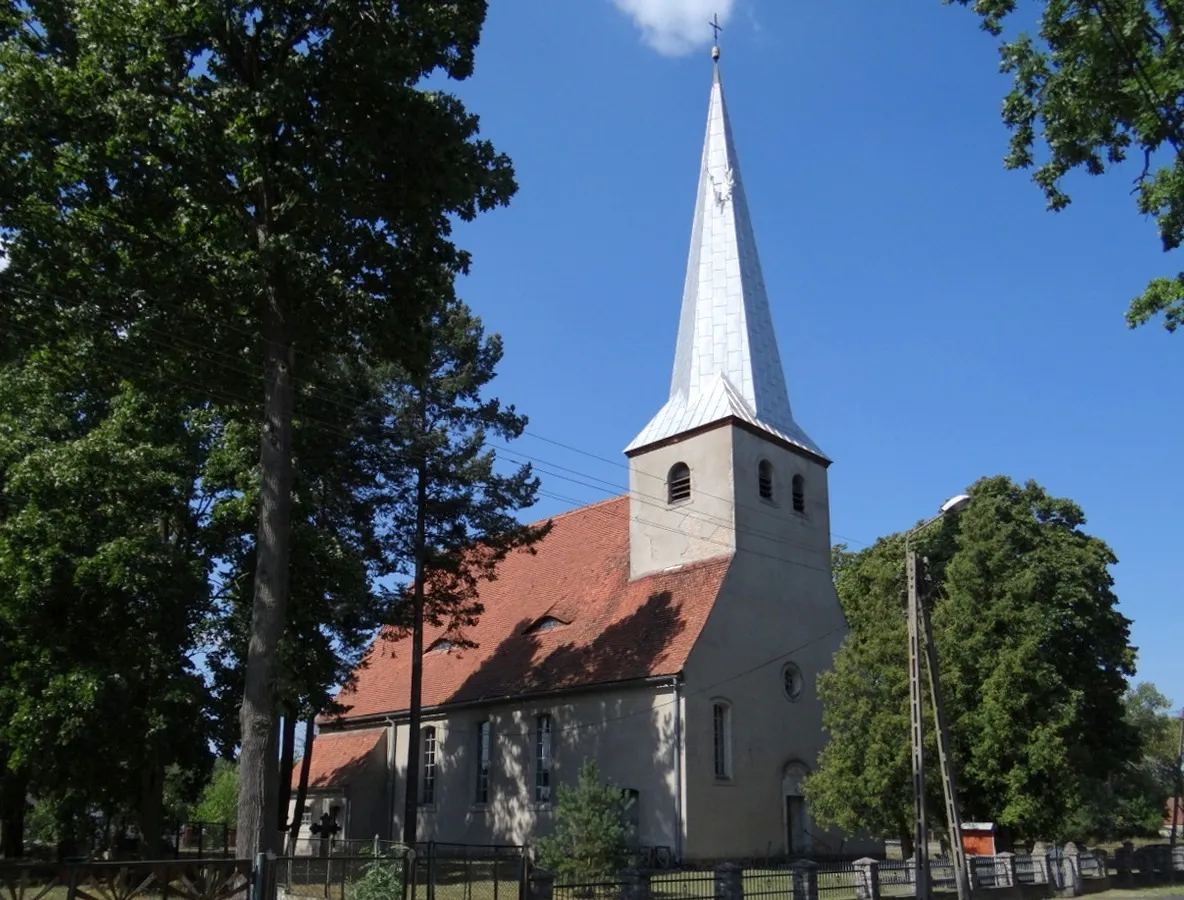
724	467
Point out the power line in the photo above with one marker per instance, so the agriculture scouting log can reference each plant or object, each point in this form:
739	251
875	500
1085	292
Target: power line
616	462
351	403
650	710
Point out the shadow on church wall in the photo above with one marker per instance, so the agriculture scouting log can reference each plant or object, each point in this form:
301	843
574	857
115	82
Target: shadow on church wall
627	729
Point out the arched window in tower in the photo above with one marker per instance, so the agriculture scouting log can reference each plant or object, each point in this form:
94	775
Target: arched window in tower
799	494
764	479
678	483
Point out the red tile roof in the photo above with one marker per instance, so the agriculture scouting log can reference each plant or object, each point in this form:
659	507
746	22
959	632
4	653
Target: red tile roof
335	754
617	629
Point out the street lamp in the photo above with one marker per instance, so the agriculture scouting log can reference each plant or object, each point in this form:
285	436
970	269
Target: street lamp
918	627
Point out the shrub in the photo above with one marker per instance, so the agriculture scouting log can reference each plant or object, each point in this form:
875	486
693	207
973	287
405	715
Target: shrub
382	879
590	839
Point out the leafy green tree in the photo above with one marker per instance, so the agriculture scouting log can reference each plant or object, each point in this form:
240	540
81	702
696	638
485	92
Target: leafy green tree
181	789
41	826
1132	803
449	515
1150	712
1102	80
96	528
265	179
863	779
218	803
1034	658
591	835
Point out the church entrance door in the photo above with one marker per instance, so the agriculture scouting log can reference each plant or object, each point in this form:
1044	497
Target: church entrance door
798	843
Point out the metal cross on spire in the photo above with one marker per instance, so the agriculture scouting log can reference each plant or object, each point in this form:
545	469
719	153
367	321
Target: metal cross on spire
716	28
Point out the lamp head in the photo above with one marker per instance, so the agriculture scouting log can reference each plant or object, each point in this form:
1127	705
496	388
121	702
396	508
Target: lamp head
955	504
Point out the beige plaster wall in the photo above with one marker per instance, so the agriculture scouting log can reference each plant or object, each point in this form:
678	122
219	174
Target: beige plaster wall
628	730
777	605
661	535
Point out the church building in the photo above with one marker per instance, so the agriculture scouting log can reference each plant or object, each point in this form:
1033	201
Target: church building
674	634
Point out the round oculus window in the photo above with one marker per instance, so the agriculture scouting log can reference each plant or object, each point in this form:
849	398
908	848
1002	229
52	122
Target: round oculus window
791	681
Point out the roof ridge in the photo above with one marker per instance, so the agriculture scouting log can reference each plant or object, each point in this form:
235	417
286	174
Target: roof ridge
584	508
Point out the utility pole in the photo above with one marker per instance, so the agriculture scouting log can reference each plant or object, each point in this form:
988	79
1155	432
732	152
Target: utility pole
916	713
1179	785
945	760
916	718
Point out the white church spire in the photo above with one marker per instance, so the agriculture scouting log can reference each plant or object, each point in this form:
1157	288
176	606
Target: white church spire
726	363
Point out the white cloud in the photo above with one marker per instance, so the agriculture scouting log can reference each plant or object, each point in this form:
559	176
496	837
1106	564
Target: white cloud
676	27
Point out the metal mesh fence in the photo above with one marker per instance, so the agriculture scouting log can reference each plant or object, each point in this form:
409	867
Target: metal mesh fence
897	876
984	871
324	877
686	885
590	890
839	881
773	882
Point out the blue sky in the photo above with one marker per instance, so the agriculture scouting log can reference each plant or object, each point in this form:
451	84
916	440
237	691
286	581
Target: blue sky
935	322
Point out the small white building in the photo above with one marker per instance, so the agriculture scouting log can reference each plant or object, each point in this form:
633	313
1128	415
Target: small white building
675	633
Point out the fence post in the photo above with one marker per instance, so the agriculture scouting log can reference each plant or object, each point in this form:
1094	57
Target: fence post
867	879
259	877
1124	863
1005	869
541	885
72	883
431	871
1071	869
972	875
1040	873
805	880
729	882
1103	861
635	885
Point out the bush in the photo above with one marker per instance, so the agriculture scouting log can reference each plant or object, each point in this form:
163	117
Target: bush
382	879
590	840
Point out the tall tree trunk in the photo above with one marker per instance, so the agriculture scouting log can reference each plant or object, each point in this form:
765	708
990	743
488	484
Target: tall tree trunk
12	815
414	707
150	815
287	751
302	787
906	844
258	764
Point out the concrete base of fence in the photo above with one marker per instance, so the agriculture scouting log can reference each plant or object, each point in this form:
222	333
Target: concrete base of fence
1015	892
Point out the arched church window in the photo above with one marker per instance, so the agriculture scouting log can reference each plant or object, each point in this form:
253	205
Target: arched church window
764	479
427	790
799	494
721	714
678	483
